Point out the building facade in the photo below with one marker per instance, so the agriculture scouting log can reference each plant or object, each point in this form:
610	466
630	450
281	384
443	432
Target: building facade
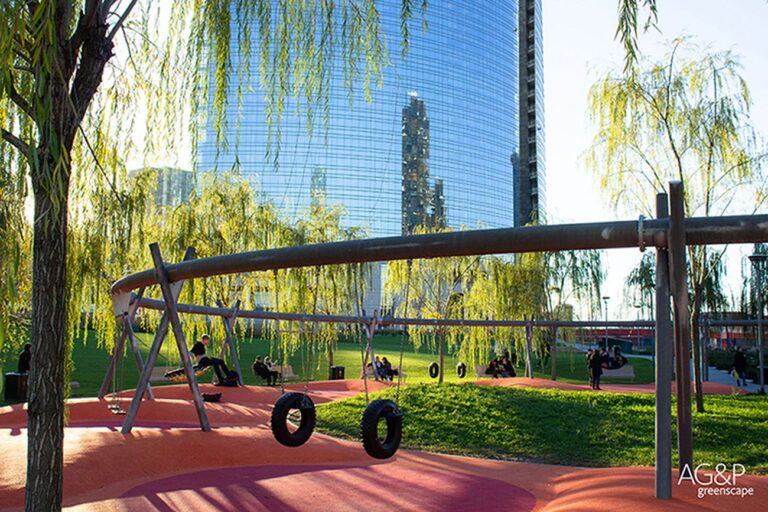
529	162
173	185
465	71
420	204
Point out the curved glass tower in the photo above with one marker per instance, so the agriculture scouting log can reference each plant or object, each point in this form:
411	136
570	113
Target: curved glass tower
434	147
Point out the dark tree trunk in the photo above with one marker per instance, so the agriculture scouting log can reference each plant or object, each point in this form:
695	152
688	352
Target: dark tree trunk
49	332
441	340
553	353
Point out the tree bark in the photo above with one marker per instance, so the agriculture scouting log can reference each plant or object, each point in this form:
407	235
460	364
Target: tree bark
441	339
553	353
49	327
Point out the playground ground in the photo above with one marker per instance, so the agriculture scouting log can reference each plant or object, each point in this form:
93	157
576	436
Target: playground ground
167	463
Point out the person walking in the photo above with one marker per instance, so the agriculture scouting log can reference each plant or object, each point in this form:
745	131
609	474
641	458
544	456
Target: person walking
740	366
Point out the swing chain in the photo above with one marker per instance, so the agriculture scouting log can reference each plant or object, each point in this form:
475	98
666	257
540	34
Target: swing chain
402	337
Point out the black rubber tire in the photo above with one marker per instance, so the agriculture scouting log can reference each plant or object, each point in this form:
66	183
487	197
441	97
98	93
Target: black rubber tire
279	422
370	428
434	369
461	370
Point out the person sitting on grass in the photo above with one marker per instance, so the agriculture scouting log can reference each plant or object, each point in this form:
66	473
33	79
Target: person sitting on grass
507	370
223	375
262	370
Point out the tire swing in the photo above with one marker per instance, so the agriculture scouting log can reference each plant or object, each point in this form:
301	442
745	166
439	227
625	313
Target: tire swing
387	410
292	401
376	411
434	369
283	407
461	370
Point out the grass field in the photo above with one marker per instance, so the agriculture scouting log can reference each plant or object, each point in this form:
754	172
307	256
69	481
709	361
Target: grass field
91	363
559	427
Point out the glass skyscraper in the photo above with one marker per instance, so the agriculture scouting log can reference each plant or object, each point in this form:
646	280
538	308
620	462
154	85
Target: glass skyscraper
465	71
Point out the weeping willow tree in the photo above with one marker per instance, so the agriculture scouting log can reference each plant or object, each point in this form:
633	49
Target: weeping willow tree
54	56
434	289
329	290
684	118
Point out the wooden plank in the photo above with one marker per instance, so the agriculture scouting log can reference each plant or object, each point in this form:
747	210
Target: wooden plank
157	343
663	435
173	316
229	325
150	395
679	288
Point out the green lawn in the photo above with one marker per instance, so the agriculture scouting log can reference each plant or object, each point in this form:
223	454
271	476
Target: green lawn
602	429
91	363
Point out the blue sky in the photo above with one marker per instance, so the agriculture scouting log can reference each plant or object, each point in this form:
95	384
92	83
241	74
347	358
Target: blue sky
578	45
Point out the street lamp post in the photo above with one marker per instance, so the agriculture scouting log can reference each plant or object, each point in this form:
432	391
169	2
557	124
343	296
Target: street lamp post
605	301
756	260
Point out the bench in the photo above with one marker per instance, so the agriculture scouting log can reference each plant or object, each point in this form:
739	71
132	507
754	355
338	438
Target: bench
625	372
286	371
480	372
369	373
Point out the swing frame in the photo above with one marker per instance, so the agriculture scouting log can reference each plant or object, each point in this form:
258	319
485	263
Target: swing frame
668	234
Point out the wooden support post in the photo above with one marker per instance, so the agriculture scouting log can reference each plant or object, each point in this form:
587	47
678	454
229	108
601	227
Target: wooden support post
154	351
229	344
663	369
117	352
178	332
370	330
704	359
679	289
137	357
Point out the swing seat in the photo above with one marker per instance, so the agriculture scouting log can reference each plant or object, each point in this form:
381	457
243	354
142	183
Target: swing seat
178	375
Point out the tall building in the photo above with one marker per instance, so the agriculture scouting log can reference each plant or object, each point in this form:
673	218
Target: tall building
465	67
421	206
528	163
173	185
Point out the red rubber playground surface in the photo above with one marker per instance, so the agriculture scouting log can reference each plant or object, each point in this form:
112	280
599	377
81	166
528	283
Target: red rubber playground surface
167	463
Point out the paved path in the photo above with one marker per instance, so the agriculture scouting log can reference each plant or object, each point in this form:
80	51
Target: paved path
724	377
168	464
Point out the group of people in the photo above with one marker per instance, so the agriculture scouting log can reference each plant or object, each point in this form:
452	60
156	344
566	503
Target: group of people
501	366
601	358
263	368
383	368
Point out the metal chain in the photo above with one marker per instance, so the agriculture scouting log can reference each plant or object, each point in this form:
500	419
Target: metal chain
359	335
280	350
402	337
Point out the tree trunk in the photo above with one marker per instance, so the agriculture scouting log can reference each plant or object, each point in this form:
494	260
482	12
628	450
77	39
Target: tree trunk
441	340
553	353
696	342
49	328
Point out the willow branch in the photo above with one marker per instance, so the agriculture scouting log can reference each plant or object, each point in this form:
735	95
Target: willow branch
122	19
20	102
16	142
